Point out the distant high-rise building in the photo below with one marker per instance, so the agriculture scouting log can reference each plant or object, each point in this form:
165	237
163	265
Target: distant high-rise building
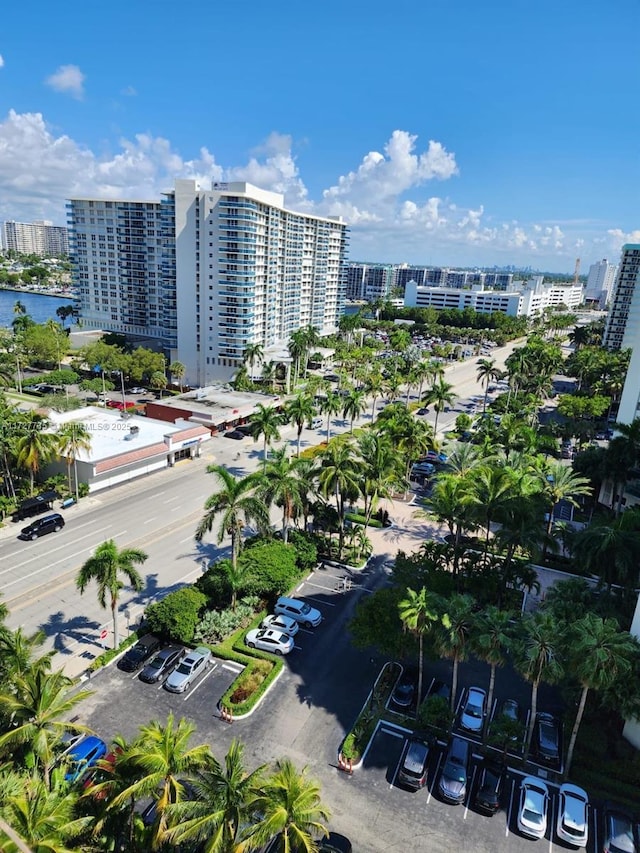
370	281
206	273
41	238
622	328
602	276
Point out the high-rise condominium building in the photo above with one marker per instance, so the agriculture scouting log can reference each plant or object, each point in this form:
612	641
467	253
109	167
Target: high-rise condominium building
600	282
35	238
206	273
622	328
370	281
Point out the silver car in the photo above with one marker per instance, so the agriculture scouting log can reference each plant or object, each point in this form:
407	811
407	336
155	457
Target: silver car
162	664
190	668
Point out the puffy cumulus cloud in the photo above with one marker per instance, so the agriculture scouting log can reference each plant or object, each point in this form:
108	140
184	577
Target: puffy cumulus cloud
273	167
69	80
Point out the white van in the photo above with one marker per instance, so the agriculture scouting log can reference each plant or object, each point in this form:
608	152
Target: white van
302	612
317	422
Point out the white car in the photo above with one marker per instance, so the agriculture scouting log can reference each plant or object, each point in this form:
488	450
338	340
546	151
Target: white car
278	622
137	391
534	805
474	710
269	641
572	825
299	610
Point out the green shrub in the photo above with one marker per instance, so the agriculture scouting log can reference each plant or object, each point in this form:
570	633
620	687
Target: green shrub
176	616
306	550
215	625
110	654
214	583
270	568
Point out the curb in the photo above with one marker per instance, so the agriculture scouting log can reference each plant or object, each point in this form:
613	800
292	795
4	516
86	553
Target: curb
258	703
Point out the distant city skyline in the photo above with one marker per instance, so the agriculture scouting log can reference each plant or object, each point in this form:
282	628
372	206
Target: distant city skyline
489	135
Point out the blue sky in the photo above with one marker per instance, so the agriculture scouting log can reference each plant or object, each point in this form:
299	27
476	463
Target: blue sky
457	132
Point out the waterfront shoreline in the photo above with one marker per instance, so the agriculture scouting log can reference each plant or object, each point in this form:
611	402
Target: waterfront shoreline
44	292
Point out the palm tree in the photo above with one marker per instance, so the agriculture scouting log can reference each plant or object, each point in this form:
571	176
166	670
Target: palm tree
38	702
265	422
73	438
491	489
374	386
35	447
536	651
300	411
559	483
340	476
453	634
163	756
330	406
487	372
252	355
178	370
269	373
158	381
17	654
282	486
354	406
292	810
490	640
439	395
223	805
419	612
298	349
383	466
106	566
43	821
237	505
611	549
599	655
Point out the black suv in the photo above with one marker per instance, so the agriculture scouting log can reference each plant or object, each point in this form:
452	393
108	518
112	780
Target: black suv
47	524
140	653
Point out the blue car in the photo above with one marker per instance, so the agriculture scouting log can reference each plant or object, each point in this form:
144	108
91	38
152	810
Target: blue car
84	754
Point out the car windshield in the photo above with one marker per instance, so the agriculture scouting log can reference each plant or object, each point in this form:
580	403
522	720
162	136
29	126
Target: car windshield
305	609
184	668
474	710
454	772
156	663
531	816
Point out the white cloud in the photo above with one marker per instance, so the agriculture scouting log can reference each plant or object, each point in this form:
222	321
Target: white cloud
385	199
1	61
67	79
129	92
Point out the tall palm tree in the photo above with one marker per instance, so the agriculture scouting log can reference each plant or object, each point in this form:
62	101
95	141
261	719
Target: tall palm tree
374	386
163	756
35	447
330	406
265	422
178	370
222	809
453	634
292	810
107	566
487	372
491	489
73	439
237	505
536	652
354	406
298	349
18	654
158	381
281	485
39	702
599	655
45	821
560	483
300	411
439	395
340	476
268	373
611	548
490	640
383	467
253	354
419	612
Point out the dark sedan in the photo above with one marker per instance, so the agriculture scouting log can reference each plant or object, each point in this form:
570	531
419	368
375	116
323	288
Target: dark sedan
546	739
404	693
235	434
162	665
140	653
490	786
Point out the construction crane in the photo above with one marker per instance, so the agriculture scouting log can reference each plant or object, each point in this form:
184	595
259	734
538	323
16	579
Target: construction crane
576	272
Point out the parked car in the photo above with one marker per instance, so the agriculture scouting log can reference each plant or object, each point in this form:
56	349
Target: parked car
35	506
439	688
189	668
299	610
278	622
137	390
413	769
162	664
404	692
510	709
423	411
102	771
490	786
41	526
267	640
618	830
534	806
422	469
546	739
572	824
335	843
235	434
139	653
474	710
86	753
453	779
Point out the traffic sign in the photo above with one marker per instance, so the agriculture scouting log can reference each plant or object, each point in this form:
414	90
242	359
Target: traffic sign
103	634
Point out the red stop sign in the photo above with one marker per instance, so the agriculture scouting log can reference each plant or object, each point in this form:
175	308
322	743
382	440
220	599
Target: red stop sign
103	634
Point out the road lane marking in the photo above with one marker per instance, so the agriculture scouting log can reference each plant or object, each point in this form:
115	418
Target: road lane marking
188	539
202	681
171	500
149	520
52	551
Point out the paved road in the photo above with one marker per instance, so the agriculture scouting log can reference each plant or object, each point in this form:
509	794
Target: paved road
157	513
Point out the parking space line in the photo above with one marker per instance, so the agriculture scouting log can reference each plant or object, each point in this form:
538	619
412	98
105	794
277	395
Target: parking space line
328	603
202	681
299	648
302	630
473	779
551	824
237	668
506	829
397	770
320	586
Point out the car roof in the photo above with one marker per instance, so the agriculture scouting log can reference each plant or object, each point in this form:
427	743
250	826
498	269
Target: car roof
86	745
534	782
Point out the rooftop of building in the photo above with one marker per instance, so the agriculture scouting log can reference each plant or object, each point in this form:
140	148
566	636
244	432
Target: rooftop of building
219	403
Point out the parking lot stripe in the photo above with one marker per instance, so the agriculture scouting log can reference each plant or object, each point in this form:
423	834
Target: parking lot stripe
435	776
473	778
506	829
397	770
202	681
551	824
320	586
328	603
231	668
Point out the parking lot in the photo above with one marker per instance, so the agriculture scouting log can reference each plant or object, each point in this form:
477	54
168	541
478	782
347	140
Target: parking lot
305	716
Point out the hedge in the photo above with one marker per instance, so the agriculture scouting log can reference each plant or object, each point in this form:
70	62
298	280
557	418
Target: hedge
355	518
110	654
